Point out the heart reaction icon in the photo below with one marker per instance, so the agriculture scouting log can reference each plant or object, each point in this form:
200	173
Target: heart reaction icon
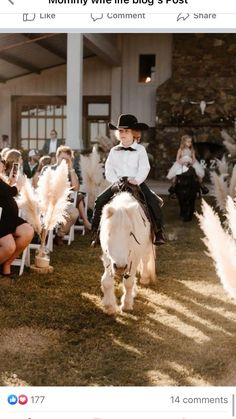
22	399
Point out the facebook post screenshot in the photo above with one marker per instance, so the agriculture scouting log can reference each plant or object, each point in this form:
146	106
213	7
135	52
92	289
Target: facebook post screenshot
117	209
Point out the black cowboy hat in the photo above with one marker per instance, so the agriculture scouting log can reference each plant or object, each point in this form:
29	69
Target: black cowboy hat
130	122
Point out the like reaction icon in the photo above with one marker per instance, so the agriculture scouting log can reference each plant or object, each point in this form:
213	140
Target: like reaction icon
22	399
12	399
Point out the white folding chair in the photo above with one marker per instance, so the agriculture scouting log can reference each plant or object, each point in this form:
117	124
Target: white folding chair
21	261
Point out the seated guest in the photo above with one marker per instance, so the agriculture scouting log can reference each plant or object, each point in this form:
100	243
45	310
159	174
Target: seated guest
31	164
15	233
12	157
82	214
80	204
4	152
43	161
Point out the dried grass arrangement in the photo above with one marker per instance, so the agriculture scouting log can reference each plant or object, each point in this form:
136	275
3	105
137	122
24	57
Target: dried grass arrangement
229	143
106	143
222	166
224	183
220	189
92	174
45	207
221	243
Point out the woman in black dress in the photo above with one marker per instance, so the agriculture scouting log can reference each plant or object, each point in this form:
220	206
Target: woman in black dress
15	233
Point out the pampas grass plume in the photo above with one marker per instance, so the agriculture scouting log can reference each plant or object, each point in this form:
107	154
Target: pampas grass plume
57	197
230	147
92	174
226	137
232	183
221	247
28	201
222	166
231	216
44	188
220	190
46	207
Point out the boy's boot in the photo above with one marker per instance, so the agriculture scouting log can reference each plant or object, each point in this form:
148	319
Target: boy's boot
159	238
172	190
95	238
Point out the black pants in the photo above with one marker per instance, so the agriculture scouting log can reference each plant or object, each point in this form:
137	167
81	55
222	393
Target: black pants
151	200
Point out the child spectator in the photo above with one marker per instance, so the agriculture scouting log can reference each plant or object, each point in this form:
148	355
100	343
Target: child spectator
185	157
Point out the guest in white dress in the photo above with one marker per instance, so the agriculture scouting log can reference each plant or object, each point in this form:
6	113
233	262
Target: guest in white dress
186	157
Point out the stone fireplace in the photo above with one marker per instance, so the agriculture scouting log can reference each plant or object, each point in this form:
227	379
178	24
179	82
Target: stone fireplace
199	99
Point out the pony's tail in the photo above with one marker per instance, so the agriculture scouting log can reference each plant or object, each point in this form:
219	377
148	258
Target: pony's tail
147	266
152	264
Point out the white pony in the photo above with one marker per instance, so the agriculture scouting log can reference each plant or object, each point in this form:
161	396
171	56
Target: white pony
125	235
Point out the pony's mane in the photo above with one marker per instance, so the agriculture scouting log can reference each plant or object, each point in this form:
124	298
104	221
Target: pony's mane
123	200
119	210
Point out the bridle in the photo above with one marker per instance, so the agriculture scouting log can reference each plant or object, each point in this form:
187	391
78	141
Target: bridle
133	235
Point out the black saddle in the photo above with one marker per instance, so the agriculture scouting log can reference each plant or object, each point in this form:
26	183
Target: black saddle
124	186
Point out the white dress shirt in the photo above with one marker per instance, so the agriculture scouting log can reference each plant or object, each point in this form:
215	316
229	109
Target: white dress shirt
133	164
53	146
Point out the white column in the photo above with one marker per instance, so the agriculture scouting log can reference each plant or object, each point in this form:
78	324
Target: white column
74	91
116	93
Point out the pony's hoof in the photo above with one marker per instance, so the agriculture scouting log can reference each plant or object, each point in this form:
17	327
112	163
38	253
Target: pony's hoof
145	281
110	310
127	308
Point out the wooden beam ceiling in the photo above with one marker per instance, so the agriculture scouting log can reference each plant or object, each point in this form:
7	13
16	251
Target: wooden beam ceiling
3	79
44	44
19	63
26	41
101	46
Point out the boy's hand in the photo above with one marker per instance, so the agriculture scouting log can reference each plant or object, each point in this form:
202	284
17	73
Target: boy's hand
132	181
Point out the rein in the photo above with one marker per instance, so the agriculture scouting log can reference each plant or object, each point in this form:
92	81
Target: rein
132	234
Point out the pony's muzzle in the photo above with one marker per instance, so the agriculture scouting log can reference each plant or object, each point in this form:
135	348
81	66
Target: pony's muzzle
119	269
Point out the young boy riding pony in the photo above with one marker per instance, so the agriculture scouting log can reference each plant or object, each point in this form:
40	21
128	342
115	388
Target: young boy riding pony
129	159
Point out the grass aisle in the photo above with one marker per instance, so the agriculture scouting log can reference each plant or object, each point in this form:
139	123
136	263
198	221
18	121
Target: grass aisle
53	330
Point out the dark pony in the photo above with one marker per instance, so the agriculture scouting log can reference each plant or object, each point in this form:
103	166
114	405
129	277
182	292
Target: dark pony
187	187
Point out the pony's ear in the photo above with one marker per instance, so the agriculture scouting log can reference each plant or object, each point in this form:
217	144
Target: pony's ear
109	212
